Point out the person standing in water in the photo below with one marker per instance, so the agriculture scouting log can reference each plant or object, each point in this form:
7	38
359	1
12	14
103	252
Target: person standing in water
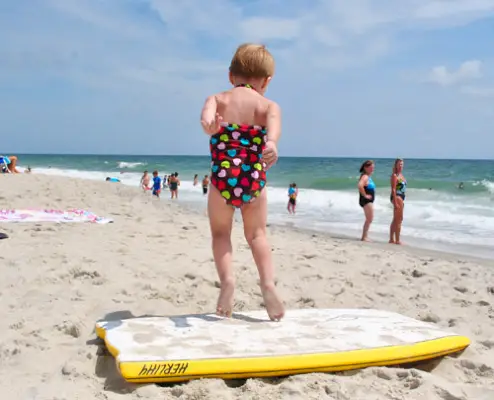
292	198
398	188
205	185
242	149
145	181
196	180
156	184
367	194
174	184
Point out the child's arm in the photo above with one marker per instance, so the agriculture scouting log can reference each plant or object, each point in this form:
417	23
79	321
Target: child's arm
273	122
210	119
273	126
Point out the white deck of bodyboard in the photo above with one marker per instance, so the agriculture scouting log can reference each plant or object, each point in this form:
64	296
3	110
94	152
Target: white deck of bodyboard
250	334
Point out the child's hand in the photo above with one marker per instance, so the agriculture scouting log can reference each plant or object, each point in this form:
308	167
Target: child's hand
270	154
212	126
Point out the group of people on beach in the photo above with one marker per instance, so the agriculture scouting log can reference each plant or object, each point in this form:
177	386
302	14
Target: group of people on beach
367	195
169	181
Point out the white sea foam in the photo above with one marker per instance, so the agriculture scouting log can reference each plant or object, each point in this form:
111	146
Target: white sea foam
129	165
448	219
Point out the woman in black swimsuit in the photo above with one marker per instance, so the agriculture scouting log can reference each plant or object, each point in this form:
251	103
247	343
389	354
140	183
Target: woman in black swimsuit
174	184
367	194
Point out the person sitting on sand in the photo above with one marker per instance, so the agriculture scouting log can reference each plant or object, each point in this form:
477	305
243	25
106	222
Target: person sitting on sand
398	187
241	152
145	179
174	184
292	198
11	163
156	184
205	184
367	194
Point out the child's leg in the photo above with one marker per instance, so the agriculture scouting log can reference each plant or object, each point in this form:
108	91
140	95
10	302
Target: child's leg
220	221
254	216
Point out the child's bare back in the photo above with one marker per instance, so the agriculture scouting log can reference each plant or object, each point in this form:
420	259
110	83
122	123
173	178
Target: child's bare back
244	127
243	105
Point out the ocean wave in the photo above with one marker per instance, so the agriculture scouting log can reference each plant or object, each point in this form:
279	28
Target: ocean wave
486	184
129	165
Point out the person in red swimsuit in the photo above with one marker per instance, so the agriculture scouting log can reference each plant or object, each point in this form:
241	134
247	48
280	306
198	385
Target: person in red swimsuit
244	128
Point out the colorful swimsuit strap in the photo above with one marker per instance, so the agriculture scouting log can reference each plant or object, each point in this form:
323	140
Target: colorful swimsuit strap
246	85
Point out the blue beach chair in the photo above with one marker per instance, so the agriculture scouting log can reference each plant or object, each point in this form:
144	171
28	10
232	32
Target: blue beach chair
4	162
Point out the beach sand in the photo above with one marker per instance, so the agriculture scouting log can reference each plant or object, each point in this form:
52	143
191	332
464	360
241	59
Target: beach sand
58	280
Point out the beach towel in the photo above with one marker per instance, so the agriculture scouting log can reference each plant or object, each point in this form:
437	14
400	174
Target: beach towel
57	216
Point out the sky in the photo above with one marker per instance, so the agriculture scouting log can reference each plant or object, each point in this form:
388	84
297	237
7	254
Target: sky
355	78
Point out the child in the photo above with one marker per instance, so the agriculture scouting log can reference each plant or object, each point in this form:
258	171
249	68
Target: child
292	198
145	181
156	184
242	149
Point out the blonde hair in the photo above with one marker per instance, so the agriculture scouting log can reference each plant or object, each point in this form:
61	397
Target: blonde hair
395	163
252	61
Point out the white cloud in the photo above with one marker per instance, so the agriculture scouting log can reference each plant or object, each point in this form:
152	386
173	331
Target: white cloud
467	71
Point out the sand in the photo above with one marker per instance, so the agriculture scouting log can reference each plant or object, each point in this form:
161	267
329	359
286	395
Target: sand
57	280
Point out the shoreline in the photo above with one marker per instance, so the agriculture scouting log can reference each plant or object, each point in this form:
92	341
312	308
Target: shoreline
155	259
470	251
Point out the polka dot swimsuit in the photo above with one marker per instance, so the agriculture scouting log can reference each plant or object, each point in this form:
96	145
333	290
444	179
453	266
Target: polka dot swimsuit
237	169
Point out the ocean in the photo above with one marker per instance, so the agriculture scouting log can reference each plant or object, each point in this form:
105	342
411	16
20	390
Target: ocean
438	215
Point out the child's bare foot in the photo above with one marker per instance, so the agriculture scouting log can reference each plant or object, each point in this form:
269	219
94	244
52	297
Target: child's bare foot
366	240
399	242
274	306
391	241
224	307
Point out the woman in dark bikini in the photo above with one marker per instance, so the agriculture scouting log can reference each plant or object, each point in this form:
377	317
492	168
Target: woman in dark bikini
367	194
398	188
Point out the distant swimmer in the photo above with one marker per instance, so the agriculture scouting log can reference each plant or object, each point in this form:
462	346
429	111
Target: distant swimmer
108	179
461	186
367	195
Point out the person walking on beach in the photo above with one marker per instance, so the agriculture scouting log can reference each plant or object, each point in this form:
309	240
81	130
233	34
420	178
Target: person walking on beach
367	194
292	198
398	188
205	184
174	184
242	149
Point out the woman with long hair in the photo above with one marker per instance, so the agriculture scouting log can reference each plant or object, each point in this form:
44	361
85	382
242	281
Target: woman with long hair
398	188
367	194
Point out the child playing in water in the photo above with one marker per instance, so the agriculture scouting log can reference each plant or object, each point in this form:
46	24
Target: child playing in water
156	184
145	181
242	149
292	198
